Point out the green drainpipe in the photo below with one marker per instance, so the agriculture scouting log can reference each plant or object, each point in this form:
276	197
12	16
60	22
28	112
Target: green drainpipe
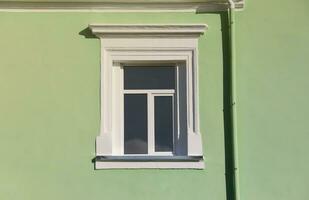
233	102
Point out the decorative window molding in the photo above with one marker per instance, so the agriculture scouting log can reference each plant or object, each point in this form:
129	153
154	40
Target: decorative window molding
153	45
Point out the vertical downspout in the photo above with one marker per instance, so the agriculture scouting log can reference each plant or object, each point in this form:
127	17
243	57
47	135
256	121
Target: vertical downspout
233	102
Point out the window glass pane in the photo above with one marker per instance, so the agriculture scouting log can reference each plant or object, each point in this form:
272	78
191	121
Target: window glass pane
163	123
149	77
135	124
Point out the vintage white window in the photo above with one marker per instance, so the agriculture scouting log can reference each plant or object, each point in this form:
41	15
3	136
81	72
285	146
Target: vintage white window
149	96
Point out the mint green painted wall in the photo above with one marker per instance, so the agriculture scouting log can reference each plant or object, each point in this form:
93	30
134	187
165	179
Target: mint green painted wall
272	61
49	85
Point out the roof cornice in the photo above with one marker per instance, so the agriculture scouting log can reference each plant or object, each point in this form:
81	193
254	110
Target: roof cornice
47	6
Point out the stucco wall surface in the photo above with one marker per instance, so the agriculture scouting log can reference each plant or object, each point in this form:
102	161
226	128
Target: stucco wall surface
272	62
49	85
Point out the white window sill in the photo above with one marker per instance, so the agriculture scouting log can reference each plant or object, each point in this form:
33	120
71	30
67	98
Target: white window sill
149	162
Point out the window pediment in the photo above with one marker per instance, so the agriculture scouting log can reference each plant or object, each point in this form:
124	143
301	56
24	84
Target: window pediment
105	30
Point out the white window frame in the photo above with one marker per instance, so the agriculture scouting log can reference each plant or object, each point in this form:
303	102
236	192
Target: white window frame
151	94
151	45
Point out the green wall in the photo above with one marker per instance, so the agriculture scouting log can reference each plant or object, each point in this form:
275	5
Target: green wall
272	61
49	84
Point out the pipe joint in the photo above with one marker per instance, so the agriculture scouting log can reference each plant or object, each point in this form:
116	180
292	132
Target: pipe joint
231	4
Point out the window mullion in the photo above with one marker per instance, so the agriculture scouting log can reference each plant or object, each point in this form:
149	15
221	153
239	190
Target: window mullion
151	139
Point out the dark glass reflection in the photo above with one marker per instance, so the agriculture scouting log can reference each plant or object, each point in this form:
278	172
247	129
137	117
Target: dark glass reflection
163	123
135	124
149	77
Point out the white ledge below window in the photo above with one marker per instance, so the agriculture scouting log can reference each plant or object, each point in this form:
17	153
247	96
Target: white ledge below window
169	162
153	45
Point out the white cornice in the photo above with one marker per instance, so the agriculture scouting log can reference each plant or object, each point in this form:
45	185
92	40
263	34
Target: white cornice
116	6
151	30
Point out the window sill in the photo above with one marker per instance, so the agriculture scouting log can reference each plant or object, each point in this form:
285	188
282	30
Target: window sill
149	162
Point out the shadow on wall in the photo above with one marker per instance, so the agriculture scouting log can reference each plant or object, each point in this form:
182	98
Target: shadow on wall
87	33
227	114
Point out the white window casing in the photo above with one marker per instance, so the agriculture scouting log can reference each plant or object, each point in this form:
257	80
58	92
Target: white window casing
175	45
